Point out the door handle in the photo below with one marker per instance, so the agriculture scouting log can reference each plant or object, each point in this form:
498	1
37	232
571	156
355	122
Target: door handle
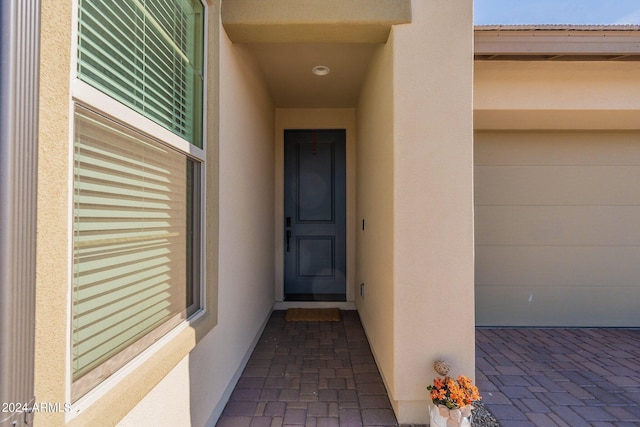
288	239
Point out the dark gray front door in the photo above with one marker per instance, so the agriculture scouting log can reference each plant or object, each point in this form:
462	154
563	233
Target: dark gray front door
315	215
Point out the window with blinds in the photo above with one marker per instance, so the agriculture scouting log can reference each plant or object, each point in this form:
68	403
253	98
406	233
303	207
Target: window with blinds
135	238
147	54
137	195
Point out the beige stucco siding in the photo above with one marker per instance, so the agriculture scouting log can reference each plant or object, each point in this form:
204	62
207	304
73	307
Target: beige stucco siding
375	208
52	254
557	236
415	185
556	95
433	198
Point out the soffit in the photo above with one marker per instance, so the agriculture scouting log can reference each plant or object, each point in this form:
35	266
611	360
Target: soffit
313	21
557	42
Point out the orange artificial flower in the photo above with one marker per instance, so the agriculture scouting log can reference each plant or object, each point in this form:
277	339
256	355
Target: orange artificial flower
453	393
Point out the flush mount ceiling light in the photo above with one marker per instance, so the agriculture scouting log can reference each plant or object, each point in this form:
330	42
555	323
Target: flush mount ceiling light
320	70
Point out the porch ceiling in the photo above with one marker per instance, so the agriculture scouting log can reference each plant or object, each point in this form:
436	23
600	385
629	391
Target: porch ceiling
287	71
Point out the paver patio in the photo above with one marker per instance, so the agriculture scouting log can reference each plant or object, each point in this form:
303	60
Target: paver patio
321	374
560	377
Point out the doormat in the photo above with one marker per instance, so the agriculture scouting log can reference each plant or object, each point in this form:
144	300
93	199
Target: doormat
312	315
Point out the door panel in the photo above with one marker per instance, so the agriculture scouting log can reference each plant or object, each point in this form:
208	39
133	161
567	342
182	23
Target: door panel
556	228
315	215
315	182
316	256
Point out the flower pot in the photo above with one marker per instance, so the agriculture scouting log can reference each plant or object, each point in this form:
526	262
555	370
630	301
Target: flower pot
441	416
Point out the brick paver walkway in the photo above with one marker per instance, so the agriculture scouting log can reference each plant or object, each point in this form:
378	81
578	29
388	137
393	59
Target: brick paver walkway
560	377
316	374
321	374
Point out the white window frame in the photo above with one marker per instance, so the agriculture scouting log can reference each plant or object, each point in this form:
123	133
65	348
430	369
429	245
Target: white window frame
84	95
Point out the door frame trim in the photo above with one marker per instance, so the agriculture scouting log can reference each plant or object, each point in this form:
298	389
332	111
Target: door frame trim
343	118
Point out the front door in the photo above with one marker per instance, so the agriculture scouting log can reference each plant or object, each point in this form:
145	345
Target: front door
315	215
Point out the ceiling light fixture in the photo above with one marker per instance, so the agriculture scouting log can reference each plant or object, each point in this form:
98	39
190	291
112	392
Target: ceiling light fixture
320	70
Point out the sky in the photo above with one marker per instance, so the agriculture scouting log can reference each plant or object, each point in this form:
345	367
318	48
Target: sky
488	12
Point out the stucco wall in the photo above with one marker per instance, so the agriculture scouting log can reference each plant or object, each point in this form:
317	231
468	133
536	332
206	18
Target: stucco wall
556	95
53	253
433	198
246	273
415	193
375	208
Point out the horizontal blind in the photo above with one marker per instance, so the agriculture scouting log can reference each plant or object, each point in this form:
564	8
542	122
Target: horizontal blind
147	54
131	257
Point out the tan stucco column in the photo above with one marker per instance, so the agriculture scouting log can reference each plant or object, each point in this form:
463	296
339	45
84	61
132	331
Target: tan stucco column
415	190
433	200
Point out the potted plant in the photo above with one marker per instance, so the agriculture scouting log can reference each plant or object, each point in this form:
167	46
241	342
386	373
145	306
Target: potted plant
452	398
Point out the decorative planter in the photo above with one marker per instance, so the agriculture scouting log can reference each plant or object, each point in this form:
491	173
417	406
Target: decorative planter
441	416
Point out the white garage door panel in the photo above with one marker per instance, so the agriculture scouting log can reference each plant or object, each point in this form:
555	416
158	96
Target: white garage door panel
557	148
557	224
550	267
558	185
567	305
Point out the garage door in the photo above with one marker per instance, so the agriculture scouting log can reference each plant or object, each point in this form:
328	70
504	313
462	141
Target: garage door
557	220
